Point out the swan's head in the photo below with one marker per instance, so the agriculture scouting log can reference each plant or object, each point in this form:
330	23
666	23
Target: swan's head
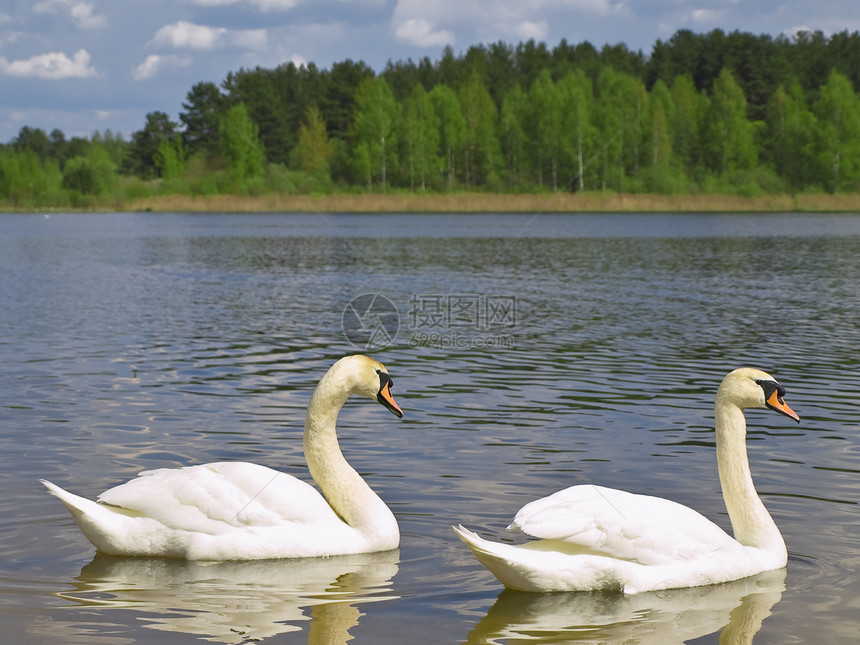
369	378
747	387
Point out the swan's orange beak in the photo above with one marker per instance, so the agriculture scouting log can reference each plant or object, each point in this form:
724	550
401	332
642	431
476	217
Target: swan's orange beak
776	402
387	399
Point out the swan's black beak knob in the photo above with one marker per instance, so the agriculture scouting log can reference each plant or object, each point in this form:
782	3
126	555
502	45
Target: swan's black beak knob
773	398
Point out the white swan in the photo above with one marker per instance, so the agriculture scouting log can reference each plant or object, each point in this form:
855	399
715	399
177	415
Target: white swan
242	511
594	538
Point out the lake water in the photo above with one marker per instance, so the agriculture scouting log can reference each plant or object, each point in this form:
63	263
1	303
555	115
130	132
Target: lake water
529	353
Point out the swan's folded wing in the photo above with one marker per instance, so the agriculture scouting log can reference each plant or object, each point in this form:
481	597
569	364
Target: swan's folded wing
639	528
218	497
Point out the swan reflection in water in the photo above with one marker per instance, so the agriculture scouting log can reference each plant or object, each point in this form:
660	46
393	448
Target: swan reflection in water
659	617
240	602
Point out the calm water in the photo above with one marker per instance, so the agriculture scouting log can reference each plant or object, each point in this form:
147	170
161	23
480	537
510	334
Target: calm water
529	353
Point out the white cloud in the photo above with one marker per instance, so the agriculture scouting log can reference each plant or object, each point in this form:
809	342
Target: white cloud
52	66
706	16
82	13
256	39
528	30
153	63
420	32
10	37
262	5
595	7
185	34
275	5
425	24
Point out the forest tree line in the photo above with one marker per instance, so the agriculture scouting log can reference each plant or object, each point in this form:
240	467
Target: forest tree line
727	113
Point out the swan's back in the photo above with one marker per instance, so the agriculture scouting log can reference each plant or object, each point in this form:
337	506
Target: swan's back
621	525
218	497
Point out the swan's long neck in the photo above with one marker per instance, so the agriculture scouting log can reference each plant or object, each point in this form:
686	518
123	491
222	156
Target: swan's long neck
751	523
344	489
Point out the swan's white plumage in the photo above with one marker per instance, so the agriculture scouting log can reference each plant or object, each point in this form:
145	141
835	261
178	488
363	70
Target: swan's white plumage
591	537
640	528
240	511
212	498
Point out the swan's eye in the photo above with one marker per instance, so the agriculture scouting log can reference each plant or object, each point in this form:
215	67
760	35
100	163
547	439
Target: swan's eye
383	379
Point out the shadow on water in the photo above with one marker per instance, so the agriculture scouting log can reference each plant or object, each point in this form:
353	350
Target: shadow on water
239	602
660	617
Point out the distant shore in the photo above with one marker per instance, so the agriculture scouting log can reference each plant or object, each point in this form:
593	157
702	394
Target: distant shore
596	202
496	202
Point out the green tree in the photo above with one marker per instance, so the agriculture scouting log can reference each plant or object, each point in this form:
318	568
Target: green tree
58	143
636	119
662	116
376	120
727	134
663	172
202	111
145	142
240	145
531	59
33	139
116	147
338	103
838	113
577	128
612	114
685	122
481	145
546	103
362	164
93	174
452	128
314	151
420	136
790	136
170	159
512	136
27	181
266	94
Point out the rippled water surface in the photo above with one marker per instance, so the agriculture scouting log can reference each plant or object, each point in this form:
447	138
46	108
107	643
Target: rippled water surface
529	353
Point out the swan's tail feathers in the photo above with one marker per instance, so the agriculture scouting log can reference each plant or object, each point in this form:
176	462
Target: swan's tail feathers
99	523
476	543
544	565
501	559
77	505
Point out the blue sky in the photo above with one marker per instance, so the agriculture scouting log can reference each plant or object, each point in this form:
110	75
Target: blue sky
87	65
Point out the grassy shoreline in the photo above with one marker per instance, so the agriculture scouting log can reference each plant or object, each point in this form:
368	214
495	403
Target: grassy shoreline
489	202
596	202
